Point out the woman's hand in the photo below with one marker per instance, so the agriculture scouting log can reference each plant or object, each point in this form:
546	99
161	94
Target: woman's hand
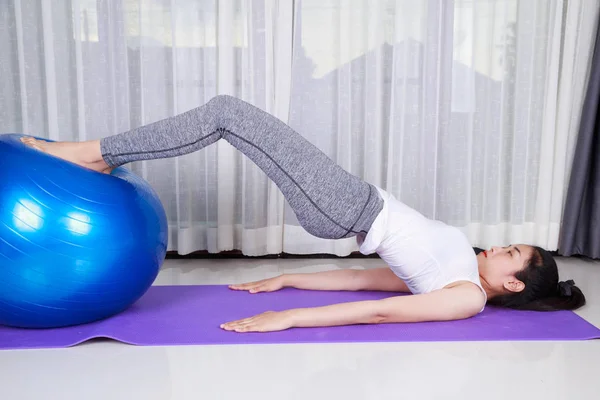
265	285
269	321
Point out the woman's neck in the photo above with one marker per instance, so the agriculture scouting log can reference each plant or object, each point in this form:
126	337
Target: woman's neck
488	289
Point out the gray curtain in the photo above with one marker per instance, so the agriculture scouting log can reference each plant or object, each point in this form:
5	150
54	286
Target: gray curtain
580	234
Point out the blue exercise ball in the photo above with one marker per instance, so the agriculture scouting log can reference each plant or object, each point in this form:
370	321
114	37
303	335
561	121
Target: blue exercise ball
76	246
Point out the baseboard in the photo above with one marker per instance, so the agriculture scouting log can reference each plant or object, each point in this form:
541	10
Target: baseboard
238	254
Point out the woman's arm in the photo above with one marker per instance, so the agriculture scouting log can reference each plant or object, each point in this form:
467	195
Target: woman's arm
459	302
382	279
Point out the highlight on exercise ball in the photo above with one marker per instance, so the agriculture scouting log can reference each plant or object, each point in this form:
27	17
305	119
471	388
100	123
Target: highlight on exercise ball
76	246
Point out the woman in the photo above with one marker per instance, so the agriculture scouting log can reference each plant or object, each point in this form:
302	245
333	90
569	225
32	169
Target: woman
432	260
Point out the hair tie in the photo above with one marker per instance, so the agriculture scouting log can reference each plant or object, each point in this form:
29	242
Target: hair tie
565	288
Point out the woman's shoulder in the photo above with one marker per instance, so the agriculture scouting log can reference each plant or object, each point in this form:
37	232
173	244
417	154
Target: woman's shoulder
473	292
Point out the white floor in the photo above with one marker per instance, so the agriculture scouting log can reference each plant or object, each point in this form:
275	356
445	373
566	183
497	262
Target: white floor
497	370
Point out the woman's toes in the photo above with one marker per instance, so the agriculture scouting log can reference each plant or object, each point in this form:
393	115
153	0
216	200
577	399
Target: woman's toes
31	143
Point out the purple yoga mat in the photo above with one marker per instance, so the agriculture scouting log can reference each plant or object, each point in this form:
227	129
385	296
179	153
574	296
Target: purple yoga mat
191	315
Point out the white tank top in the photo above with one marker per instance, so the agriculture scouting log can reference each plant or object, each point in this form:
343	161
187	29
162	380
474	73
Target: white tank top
426	254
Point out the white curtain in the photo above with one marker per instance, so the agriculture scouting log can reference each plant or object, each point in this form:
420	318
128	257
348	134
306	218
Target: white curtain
465	110
86	69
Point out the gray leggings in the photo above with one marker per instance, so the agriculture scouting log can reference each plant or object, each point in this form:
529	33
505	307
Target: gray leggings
329	202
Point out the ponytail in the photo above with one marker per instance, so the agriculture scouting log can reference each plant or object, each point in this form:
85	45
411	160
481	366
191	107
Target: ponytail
567	297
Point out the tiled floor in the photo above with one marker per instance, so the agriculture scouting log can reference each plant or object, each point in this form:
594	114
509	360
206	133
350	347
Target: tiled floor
499	370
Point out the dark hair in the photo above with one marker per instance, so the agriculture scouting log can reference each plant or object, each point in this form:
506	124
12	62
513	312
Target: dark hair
543	291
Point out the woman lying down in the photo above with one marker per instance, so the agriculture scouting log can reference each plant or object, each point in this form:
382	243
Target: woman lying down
427	258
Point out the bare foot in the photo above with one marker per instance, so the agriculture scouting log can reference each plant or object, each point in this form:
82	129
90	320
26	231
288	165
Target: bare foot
84	154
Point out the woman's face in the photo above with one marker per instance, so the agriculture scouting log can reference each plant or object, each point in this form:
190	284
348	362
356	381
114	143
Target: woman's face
499	265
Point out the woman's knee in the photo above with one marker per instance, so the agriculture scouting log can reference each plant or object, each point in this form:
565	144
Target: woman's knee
224	101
